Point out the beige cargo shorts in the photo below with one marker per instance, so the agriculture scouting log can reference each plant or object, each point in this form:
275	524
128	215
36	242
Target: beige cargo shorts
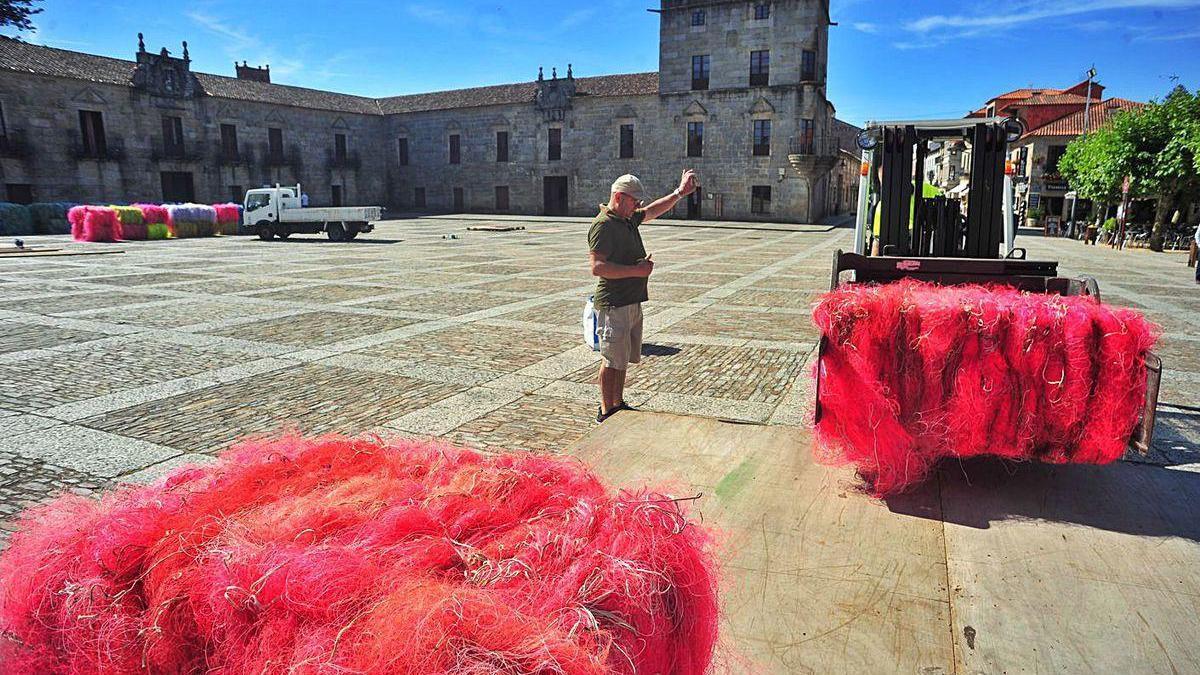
620	333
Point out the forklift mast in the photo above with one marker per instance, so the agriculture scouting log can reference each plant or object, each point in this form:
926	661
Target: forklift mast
913	225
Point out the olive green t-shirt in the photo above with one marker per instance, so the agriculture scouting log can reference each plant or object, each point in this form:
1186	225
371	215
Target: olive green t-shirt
619	241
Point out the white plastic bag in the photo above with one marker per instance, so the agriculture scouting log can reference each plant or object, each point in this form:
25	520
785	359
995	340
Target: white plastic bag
590	323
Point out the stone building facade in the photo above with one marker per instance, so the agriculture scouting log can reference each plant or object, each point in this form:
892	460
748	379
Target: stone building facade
739	96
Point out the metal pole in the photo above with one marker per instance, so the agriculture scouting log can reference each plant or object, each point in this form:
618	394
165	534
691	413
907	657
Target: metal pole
860	219
1087	107
1087	104
1010	223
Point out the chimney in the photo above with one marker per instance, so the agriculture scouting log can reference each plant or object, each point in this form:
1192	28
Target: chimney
258	74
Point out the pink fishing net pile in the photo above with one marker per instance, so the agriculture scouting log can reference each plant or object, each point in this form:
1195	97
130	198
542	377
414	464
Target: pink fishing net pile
337	556
914	372
94	223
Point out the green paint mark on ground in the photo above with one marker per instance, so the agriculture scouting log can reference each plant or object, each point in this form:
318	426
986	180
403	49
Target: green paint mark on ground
735	480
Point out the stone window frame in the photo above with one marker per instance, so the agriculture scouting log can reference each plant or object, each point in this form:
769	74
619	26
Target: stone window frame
454	149
231	123
271	155
341	146
453	128
757	123
705	69
760	205
403	150
687	150
761	11
621	127
760	71
805	55
507	158
550	154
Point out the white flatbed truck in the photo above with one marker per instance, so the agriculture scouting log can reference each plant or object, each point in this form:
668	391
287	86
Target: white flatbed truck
278	212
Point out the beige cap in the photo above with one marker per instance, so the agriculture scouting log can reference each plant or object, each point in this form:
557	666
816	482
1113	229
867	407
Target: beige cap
630	185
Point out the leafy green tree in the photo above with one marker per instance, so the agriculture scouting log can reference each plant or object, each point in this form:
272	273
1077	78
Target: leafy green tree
18	13
1158	147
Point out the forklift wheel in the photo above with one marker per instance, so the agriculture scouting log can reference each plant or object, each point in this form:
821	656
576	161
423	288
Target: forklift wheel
336	231
264	232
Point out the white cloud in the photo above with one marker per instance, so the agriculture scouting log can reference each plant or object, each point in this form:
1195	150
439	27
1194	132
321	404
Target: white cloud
241	46
577	18
865	26
1035	11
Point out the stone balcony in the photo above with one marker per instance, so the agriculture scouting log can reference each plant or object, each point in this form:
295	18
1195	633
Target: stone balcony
812	157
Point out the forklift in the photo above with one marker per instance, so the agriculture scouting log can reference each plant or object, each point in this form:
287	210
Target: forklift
929	238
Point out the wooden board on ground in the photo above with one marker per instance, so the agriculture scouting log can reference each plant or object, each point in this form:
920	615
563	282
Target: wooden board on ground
989	568
817	578
1071	569
14	252
495	228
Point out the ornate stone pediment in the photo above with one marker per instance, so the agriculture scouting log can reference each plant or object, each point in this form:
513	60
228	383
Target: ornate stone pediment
89	95
626	113
762	107
694	109
164	75
554	95
340	123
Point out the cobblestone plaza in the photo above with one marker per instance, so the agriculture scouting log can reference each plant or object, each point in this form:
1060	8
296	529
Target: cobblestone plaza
121	367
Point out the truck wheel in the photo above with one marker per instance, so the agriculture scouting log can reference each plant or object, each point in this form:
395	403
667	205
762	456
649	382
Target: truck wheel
265	232
283	234
352	230
336	231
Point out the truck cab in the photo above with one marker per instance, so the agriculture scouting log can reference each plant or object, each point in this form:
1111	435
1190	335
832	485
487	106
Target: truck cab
264	204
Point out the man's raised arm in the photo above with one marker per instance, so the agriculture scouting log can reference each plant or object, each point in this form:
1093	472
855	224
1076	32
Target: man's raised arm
687	185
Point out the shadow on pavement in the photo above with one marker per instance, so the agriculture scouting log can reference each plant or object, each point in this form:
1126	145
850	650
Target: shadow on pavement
1136	499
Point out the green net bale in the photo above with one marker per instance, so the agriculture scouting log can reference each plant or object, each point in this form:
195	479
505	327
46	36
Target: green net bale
133	225
51	217
15	220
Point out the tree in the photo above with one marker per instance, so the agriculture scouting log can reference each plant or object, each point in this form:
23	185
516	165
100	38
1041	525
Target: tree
1157	146
17	13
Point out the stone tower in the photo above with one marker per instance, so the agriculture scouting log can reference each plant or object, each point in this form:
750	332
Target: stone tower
793	33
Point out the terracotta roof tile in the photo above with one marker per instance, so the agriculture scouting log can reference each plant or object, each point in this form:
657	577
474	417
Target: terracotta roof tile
1052	99
524	92
1026	93
1101	113
23	57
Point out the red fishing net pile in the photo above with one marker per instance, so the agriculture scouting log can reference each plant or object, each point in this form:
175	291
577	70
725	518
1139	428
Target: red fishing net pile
914	372
94	223
355	556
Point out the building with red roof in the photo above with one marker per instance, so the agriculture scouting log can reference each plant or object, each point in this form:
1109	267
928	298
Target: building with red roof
1053	118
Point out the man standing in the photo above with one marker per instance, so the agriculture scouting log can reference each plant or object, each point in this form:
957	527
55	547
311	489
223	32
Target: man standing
619	259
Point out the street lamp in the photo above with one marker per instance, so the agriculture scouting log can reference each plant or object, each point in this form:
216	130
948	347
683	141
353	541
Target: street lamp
1087	107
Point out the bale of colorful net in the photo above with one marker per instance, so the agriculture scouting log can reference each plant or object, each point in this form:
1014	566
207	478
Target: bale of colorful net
355	555
15	220
155	217
133	225
94	223
228	218
51	217
191	220
912	373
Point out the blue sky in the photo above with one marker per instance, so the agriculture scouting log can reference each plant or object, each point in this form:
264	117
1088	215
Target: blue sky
931	58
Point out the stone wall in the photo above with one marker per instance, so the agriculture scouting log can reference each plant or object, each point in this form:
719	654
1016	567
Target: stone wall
591	152
44	111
